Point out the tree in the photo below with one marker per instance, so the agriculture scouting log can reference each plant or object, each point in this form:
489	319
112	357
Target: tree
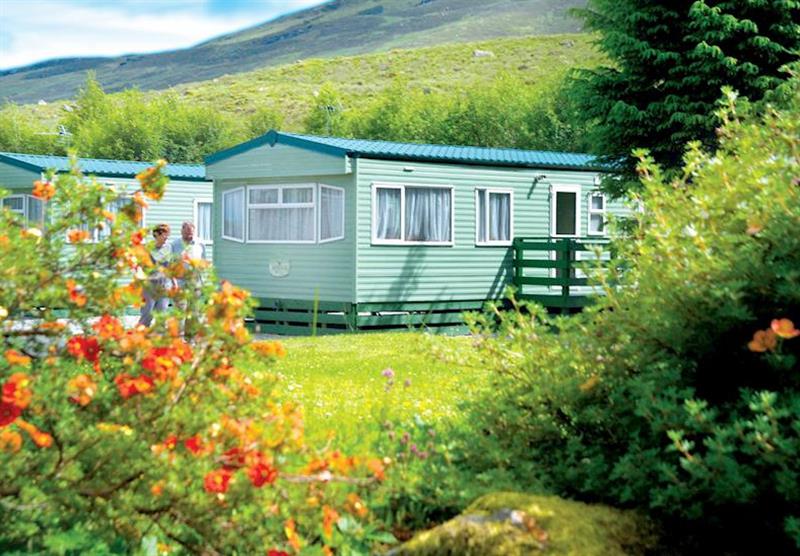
670	60
159	438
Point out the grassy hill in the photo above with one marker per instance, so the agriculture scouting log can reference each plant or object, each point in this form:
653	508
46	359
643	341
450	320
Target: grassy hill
335	28
290	89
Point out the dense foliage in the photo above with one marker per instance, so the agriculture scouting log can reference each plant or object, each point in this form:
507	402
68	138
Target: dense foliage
168	438
678	391
669	62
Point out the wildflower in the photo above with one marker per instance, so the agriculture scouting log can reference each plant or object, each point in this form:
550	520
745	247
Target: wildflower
109	328
85	347
157	489
377	469
276	552
16	358
81	389
3	312
355	505
388	373
8	413
10	441
171	442
194	444
77	236
763	340
137	237
75	293
784	328
217	480
130	386
41	439
32	232
269	348
329	517
16	391
43	190
262	474
290	530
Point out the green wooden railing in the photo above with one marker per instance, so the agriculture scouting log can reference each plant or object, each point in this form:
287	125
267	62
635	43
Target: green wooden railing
548	270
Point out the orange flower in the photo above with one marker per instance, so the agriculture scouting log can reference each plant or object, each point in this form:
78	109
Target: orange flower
164	362
77	236
152	180
43	190
139	199
763	340
377	469
268	348
290	529
108	328
217	480
16	391
784	328
81	389
157	489
75	293
41	439
131	385
355	505
137	237
329	517
10	441
16	358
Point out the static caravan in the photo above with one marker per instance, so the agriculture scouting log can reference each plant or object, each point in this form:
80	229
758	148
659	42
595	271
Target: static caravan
349	234
188	196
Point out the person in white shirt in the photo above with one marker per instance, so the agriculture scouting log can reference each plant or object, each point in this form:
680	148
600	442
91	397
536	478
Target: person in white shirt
155	289
192	247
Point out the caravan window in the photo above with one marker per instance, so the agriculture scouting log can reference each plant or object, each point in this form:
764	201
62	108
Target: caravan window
233	214
415	215
494	216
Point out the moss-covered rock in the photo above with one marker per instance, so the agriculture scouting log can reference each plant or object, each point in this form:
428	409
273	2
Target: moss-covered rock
517	524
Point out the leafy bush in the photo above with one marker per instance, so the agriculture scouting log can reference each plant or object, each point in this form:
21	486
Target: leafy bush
163	437
679	390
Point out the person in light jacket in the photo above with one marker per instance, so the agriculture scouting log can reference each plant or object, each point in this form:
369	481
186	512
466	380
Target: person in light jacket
155	290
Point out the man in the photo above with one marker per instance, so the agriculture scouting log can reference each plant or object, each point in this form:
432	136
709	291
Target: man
188	244
192	247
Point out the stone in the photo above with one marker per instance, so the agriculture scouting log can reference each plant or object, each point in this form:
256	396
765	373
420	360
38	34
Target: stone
477	53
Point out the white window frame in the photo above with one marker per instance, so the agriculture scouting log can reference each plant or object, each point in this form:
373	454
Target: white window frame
488	191
280	204
244	214
595	212
402	241
24	197
196	202
562	188
319	214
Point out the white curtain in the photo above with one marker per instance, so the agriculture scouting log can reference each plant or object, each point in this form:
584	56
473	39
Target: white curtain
203	224
387	215
499	217
331	206
35	210
281	224
482	215
233	214
268	196
428	214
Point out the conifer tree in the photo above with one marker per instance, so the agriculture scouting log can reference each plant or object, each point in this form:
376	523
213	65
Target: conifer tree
670	60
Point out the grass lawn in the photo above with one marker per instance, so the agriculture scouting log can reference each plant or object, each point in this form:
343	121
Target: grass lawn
339	382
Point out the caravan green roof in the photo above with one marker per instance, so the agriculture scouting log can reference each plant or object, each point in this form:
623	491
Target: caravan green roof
101	167
486	156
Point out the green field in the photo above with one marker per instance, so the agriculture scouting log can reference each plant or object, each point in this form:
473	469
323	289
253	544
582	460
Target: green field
338	381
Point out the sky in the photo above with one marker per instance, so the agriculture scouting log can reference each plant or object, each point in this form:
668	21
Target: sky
36	30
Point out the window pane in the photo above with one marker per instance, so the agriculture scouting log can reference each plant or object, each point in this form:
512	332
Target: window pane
15	204
298	195
499	216
258	196
203	224
565	213
35	210
233	214
597	202
281	224
331	205
427	214
482	215
387	213
596	223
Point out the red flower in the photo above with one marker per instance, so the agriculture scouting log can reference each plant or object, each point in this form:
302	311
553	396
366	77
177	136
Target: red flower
137	237
235	457
76	293
16	391
194	444
262	474
276	552
163	362
217	480
8	413
131	385
171	442
83	347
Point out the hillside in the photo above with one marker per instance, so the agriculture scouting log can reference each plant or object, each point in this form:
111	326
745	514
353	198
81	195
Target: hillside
336	28
290	89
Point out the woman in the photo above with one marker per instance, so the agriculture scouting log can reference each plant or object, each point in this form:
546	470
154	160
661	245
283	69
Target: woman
155	290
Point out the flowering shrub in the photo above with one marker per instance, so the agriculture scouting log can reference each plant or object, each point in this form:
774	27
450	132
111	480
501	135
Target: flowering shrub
679	391
159	437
